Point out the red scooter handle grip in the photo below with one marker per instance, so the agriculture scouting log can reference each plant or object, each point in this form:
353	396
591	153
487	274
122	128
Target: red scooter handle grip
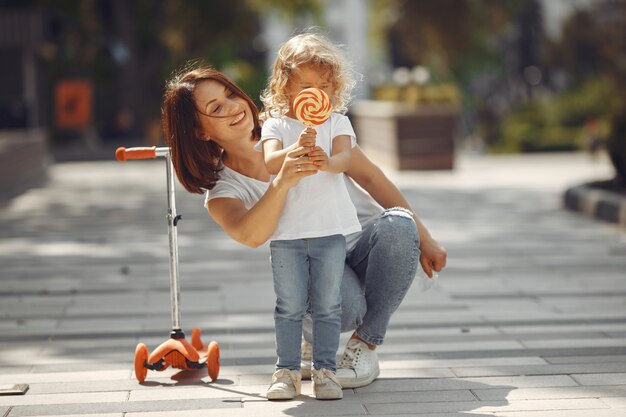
122	154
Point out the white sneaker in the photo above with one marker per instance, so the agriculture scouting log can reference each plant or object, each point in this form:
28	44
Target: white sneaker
325	385
285	385
358	366
306	356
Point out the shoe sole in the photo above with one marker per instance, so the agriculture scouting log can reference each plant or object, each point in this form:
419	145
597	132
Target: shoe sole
279	398
329	398
359	382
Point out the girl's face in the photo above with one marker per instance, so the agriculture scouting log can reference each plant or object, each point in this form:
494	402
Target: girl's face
308	76
223	114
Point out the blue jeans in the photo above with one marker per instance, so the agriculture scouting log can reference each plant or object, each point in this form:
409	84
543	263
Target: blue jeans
378	273
308	270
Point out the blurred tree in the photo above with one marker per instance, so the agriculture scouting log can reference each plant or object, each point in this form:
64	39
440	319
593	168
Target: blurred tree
486	46
129	47
291	10
592	45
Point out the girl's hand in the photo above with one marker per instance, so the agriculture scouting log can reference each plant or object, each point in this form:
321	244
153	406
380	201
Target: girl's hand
319	158
295	167
307	138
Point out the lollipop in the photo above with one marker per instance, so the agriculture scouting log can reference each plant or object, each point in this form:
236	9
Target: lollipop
312	106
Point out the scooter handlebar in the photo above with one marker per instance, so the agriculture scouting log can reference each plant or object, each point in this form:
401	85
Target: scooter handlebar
122	154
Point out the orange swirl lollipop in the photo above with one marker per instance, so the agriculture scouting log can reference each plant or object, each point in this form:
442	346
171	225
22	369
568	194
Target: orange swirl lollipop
312	106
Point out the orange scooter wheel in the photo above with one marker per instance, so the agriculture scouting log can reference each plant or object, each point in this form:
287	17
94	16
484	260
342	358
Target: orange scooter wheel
213	360
141	356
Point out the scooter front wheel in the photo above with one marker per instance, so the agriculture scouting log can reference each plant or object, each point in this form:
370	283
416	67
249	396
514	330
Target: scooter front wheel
141	356
213	360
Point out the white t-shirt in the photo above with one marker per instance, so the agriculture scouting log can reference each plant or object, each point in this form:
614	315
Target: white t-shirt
318	205
249	191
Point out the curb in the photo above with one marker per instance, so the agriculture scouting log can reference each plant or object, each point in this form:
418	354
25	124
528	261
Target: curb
597	203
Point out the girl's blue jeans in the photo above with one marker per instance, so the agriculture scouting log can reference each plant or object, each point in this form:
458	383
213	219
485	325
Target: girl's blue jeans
378	273
308	270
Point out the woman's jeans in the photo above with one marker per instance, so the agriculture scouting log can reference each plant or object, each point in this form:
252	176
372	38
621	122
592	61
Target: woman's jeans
378	273
308	270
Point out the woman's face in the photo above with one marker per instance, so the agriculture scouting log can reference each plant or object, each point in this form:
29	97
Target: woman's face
223	114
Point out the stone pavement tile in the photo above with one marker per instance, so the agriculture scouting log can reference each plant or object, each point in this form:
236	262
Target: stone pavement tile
617	402
120	407
417	396
399	385
570	351
557	343
550	393
230	412
563	328
78	398
488	407
90	415
305	406
417	373
455	346
586	359
155	382
67	376
562	413
454	363
601	379
10	369
187	393
540	369
235	370
400	333
258	379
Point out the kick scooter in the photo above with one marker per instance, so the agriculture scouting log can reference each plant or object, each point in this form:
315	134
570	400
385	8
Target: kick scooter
176	351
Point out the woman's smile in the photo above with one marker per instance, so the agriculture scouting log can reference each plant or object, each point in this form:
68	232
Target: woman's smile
238	118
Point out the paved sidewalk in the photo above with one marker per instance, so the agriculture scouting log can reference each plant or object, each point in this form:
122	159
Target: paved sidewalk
528	320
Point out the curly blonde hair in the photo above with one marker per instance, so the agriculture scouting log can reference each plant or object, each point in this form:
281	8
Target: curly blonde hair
307	49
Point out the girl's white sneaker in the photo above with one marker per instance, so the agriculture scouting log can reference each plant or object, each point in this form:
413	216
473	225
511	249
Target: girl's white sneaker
286	384
326	386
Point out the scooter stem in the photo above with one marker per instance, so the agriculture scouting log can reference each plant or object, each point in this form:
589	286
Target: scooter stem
172	221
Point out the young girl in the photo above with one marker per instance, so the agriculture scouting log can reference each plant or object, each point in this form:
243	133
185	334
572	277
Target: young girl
308	247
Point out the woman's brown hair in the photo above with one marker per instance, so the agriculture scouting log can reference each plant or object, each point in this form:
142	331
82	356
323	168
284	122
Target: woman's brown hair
197	162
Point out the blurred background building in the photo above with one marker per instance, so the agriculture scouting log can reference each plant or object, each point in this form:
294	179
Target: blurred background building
521	75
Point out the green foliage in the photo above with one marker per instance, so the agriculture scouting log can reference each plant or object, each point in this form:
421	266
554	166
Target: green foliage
557	123
289	10
445	93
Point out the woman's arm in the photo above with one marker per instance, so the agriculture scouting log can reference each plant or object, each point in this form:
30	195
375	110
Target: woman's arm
375	182
255	226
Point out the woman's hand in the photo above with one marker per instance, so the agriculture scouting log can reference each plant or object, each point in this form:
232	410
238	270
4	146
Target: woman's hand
432	255
295	167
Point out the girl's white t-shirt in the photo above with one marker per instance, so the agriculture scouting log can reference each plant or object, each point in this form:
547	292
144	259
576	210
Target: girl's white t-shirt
249	191
319	205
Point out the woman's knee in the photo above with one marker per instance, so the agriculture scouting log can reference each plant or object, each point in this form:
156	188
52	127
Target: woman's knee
396	226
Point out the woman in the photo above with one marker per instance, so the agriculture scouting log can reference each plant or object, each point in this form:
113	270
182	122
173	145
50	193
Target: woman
211	126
